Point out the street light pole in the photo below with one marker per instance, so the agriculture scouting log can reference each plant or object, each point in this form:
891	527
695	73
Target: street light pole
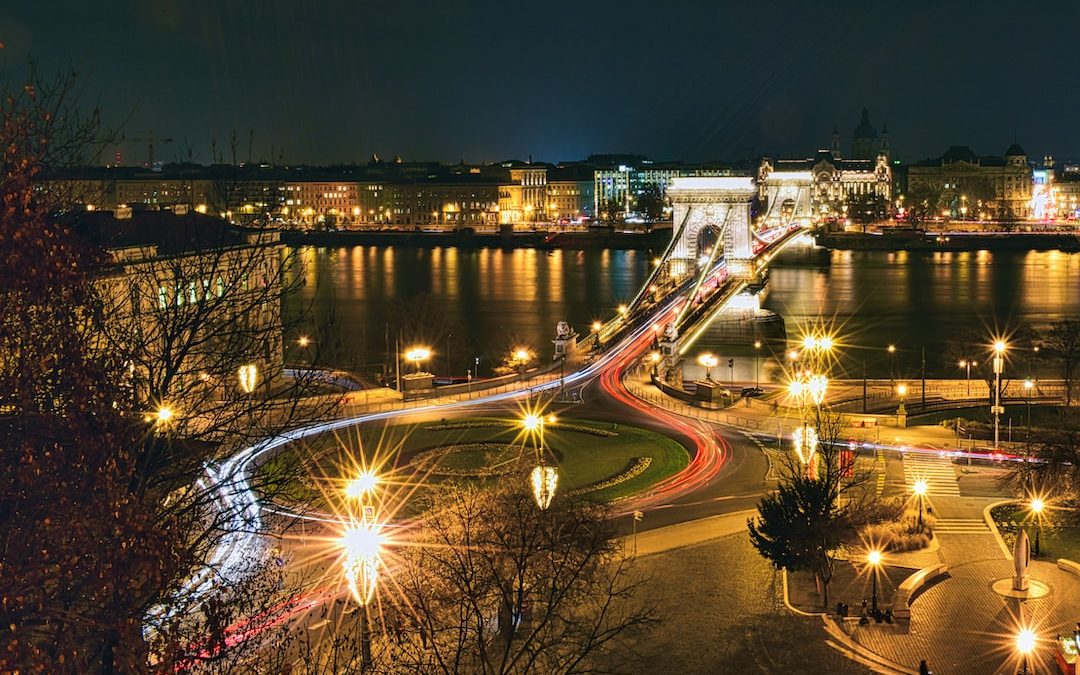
999	365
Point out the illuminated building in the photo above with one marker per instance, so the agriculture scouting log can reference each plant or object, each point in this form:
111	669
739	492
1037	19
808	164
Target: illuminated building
838	181
975	187
523	198
165	264
618	187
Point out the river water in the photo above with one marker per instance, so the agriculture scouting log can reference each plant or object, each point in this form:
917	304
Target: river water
468	304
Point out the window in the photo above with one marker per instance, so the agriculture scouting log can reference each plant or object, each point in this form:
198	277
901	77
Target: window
163	297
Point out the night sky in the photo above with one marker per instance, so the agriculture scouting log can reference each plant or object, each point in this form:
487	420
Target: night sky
484	81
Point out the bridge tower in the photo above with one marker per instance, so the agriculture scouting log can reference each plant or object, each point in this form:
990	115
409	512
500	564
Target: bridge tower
786	196
720	204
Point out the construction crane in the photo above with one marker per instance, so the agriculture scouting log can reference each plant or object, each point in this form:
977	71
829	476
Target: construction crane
150	140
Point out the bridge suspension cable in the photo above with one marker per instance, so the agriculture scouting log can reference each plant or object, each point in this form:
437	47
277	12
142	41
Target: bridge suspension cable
706	270
644	290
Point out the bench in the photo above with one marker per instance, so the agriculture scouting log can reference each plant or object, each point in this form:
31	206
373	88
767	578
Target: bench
1069	566
901	608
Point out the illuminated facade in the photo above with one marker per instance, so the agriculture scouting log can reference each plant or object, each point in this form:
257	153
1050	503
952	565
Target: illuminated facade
523	199
167	266
971	186
617	189
836	182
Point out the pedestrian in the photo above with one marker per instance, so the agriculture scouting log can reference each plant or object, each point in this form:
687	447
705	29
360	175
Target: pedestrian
924	669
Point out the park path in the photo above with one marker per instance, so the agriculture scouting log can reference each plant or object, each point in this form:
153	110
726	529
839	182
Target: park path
960	625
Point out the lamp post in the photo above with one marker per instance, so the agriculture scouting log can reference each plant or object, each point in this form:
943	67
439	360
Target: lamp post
901	391
1037	505
522	356
416	355
966	363
874	558
1025	644
919	488
892	362
544	478
709	361
757	364
999	366
362	544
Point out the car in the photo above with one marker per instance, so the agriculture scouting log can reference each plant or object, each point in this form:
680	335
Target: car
752	391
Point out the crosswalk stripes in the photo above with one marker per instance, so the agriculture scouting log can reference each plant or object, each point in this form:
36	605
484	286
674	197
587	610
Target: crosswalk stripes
961	526
936	469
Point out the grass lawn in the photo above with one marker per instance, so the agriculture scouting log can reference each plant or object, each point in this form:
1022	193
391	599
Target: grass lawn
586	452
1055	541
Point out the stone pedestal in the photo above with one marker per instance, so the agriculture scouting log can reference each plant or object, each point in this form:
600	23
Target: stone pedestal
564	346
416	384
710	392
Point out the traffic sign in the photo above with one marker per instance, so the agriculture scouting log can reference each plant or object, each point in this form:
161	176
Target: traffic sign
638	515
997	410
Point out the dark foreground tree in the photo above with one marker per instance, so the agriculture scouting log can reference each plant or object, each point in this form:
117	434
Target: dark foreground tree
485	583
107	517
810	516
79	551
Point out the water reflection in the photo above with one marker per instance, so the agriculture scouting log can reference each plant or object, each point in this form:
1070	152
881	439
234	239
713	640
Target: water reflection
489	296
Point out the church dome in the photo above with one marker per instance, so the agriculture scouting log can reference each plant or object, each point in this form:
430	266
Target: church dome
1015	151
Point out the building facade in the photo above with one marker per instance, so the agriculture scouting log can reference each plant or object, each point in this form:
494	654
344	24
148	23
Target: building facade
968	186
191	299
618	189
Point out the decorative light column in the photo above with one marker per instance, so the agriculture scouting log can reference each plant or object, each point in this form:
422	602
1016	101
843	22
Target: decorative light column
997	409
544	478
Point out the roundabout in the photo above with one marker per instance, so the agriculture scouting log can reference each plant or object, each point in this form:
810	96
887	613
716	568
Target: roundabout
598	461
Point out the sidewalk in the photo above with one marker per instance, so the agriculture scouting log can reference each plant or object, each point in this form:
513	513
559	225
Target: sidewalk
960	625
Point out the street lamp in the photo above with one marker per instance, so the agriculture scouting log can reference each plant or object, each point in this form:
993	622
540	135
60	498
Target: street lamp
362	546
997	409
1025	644
874	558
757	364
901	391
1037	505
164	415
521	357
709	361
303	341
919	488
416	355
892	362
363	485
966	363
544	478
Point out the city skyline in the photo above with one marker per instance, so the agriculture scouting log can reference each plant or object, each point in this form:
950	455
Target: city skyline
337	84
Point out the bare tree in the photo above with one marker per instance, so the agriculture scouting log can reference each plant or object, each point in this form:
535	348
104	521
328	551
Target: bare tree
1062	343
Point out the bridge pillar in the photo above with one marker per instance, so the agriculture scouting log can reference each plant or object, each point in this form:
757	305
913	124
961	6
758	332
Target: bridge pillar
787	196
718	202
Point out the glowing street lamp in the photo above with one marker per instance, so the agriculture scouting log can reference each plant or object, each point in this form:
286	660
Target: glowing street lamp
709	361
1025	645
362	544
362	486
623	309
901	391
997	409
919	488
544	479
303	341
164	415
1037	505
966	363
874	559
757	364
418	354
